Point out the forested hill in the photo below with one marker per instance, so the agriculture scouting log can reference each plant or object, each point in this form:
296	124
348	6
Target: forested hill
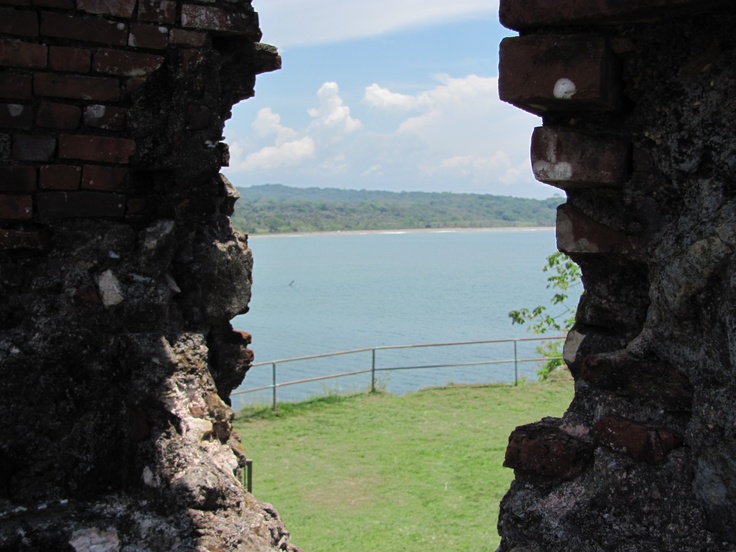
274	208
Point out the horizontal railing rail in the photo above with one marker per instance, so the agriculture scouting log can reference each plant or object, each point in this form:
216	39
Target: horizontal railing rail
374	369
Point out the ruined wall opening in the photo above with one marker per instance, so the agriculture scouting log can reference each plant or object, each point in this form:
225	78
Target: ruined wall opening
306	335
371	96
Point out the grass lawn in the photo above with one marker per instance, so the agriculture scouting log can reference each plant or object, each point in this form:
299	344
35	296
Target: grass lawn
418	472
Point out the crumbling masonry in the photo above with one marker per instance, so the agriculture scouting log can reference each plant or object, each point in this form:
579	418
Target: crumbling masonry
638	101
119	274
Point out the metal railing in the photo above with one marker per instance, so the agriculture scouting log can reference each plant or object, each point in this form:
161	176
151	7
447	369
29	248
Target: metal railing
374	369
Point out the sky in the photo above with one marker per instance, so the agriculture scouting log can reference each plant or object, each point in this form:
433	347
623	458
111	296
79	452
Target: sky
396	95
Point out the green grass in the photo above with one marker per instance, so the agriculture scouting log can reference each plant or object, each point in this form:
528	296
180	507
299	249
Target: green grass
419	472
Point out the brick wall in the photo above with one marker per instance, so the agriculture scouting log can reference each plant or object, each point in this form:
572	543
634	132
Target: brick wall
70	71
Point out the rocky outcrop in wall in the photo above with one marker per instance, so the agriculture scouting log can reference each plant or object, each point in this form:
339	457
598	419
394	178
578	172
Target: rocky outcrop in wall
119	274
637	101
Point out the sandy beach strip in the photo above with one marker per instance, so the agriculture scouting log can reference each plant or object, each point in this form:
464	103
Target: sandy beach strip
404	231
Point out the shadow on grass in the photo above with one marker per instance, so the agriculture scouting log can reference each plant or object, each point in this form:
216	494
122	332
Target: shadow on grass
262	412
288	409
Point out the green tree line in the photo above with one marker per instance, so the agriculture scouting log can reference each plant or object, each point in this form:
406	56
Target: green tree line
274	208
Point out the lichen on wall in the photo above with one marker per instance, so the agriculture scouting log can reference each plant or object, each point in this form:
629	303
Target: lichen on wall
119	275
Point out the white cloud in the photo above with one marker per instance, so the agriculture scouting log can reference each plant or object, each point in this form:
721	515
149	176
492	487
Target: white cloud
469	98
456	124
454	136
383	98
288	147
288	23
268	124
332	114
466	134
282	155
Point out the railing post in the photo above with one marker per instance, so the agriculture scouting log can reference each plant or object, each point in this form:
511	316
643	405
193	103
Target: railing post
516	365
248	475
273	384
373	370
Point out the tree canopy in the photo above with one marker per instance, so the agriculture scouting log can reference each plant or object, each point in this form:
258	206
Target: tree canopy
274	208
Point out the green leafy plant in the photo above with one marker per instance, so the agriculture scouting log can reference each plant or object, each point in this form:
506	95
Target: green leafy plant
564	275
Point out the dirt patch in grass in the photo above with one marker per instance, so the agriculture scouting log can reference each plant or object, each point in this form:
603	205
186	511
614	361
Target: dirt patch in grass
352	493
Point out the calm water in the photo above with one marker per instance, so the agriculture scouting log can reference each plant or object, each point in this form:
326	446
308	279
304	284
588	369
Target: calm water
320	293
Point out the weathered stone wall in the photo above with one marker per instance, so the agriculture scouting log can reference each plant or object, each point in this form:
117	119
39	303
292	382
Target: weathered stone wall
119	274
639	110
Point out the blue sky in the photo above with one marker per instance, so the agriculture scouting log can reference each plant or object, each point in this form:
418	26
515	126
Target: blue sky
396	95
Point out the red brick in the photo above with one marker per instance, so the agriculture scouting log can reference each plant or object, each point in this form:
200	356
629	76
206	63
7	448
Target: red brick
15	53
104	179
241	338
16	207
525	14
76	87
33	148
559	73
16	116
56	115
154	37
18	23
569	159
102	149
15	86
106	117
157	11
542	448
579	233
128	64
133	84
639	441
83	28
80	204
60	177
208	18
17	178
76	60
22	239
180	37
117	8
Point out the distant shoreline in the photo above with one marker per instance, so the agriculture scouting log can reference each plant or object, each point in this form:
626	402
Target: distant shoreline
404	231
